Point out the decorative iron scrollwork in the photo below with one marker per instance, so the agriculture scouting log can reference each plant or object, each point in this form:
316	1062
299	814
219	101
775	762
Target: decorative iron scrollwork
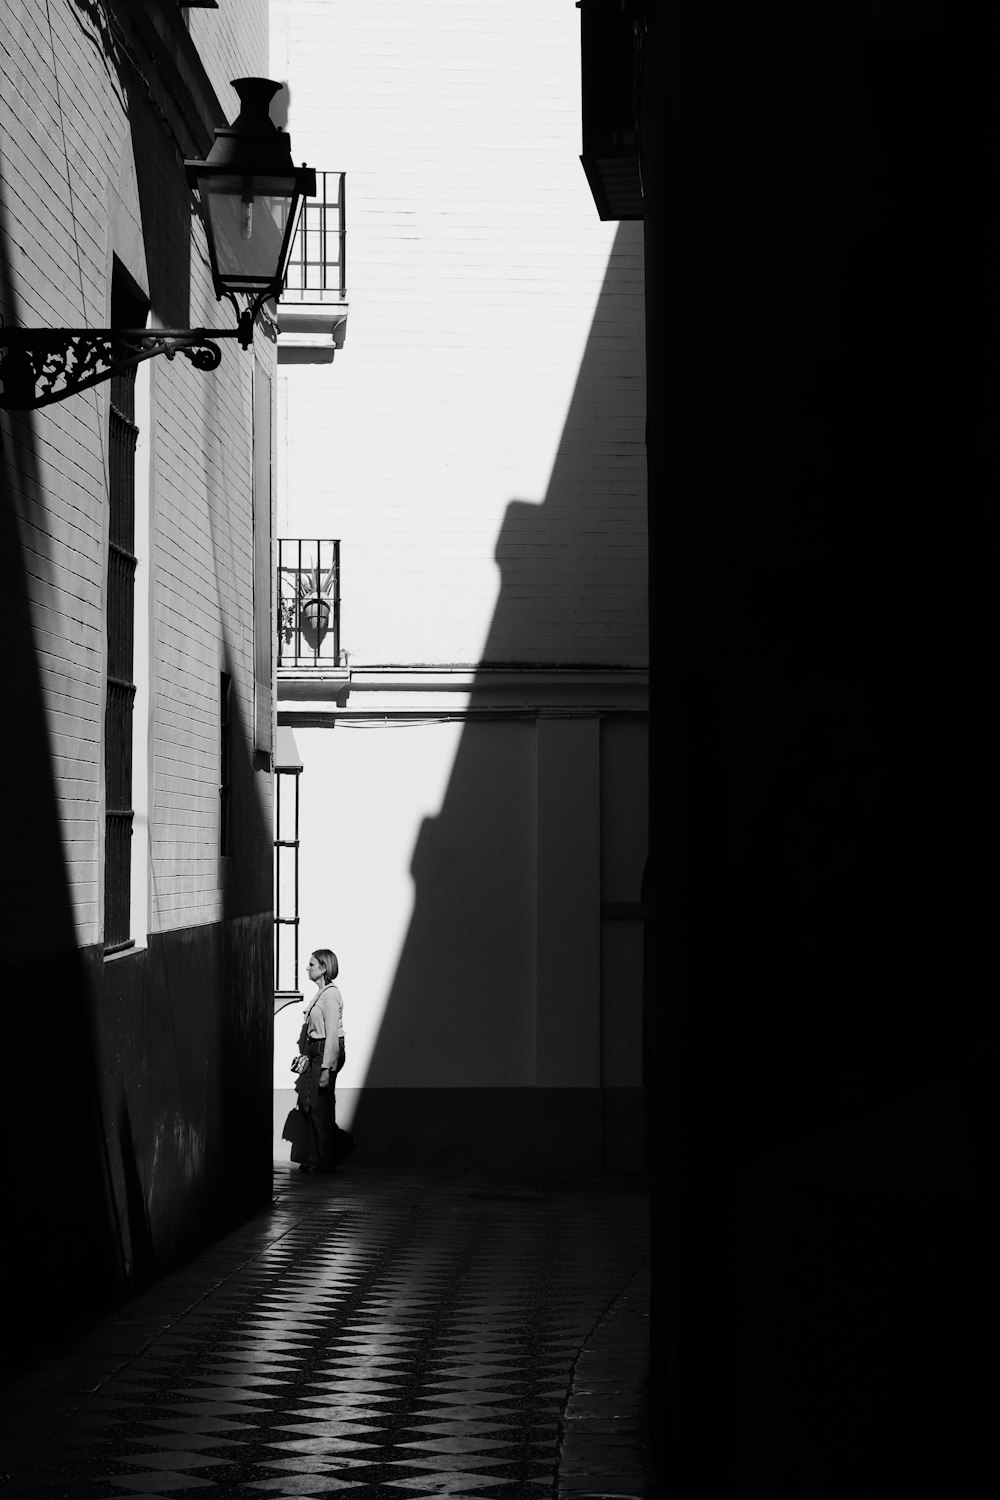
43	365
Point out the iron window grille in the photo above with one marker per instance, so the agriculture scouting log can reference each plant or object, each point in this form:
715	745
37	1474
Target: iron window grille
120	627
286	881
317	266
308	603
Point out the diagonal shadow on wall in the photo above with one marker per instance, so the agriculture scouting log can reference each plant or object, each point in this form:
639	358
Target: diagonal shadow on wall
572	595
57	1173
136	1109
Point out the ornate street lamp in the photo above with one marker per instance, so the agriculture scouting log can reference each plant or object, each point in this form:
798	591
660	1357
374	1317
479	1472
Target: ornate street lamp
251	193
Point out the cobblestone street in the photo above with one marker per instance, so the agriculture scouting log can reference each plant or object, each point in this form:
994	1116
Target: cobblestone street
373	1334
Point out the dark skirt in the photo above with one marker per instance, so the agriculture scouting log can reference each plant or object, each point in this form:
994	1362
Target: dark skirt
319	1107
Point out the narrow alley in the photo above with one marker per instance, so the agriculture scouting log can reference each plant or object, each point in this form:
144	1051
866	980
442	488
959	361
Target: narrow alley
377	1334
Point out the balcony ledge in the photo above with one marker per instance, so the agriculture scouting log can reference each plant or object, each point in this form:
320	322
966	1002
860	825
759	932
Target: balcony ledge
311	332
319	683
314	695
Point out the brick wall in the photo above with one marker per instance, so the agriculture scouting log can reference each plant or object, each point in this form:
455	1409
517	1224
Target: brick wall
478	443
71	126
232	43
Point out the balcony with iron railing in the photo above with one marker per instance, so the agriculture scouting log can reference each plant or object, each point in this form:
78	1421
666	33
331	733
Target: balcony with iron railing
312	311
309	608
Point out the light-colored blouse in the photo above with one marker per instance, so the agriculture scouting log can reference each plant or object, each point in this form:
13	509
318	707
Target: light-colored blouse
325	1021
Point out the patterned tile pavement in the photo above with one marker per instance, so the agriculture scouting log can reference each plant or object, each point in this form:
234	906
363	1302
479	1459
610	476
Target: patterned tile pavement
376	1335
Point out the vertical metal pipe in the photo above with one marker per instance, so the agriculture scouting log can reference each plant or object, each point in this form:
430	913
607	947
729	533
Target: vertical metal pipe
322	236
336	603
296	882
343	236
277	880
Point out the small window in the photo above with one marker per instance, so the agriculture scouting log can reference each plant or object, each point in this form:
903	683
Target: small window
128	310
287	770
225	764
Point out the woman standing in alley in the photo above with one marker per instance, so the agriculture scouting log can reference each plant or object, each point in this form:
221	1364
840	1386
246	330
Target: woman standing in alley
321	1056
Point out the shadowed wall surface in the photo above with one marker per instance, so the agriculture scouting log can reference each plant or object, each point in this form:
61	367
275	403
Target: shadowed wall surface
820	226
135	1110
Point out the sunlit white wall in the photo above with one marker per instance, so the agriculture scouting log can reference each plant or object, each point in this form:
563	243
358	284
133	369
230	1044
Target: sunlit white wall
475	265
366	793
474	261
362	794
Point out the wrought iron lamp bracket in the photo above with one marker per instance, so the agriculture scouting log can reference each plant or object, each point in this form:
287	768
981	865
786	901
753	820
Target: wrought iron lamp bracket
247	316
43	365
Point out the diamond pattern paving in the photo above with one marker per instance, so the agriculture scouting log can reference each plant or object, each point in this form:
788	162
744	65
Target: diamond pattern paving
415	1340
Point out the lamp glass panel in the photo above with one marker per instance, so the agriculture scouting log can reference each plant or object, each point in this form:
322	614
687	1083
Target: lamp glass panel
249	232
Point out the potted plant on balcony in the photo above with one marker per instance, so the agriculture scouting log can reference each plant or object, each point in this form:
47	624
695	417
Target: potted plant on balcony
315	609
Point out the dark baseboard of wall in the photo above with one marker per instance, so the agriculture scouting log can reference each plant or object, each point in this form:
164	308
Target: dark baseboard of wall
135	1122
514	1129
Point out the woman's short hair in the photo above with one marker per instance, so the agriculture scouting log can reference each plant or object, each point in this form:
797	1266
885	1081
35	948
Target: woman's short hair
327	960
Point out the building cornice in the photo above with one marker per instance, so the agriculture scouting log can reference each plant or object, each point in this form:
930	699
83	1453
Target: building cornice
460	691
162	55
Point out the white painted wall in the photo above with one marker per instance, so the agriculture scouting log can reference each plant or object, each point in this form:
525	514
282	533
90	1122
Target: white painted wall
465	1011
478	447
457	871
475	260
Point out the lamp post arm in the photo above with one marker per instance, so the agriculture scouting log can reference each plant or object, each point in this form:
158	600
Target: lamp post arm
42	365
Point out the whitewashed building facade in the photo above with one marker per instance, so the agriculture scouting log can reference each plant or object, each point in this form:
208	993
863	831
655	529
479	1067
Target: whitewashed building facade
463	414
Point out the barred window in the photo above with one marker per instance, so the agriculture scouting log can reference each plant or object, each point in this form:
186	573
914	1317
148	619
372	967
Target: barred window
127	311
287	770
